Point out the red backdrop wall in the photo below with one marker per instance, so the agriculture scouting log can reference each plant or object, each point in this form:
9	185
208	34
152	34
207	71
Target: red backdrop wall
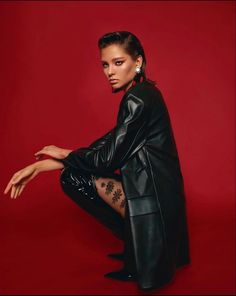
53	91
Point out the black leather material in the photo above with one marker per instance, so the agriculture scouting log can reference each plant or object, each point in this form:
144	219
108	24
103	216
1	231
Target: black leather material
82	182
143	147
80	187
116	256
121	275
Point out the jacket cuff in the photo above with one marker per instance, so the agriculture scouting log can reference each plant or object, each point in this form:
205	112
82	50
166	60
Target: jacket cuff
66	161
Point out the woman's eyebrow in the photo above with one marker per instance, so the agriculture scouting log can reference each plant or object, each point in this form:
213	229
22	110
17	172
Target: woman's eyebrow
114	59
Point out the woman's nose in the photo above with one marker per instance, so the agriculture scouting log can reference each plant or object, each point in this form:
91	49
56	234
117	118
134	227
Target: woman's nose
110	71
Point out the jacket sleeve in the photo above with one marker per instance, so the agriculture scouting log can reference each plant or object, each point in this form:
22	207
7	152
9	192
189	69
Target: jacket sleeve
118	145
101	141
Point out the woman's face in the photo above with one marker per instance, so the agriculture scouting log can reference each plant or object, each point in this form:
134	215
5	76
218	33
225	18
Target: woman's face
118	66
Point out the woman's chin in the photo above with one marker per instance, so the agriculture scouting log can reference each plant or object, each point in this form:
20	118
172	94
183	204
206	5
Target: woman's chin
116	88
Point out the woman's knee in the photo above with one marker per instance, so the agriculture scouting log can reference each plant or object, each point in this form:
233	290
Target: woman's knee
78	182
65	177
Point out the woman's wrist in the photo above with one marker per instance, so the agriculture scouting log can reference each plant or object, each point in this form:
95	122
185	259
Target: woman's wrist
66	152
48	165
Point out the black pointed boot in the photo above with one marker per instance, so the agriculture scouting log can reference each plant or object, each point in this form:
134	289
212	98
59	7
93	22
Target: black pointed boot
128	272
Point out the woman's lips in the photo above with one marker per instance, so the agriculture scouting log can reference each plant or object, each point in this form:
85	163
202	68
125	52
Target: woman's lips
113	81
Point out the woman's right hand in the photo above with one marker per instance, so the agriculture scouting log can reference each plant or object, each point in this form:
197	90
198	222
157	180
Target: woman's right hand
52	151
19	180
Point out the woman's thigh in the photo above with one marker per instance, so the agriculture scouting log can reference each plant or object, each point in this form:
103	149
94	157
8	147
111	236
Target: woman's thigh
110	189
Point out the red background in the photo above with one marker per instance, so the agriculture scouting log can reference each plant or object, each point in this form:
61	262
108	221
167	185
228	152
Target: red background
53	91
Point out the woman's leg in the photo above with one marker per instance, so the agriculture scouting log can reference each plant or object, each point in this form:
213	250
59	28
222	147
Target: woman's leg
102	197
111	191
84	188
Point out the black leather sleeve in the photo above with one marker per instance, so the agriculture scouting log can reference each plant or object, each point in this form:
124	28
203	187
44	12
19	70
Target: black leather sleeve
101	141
118	145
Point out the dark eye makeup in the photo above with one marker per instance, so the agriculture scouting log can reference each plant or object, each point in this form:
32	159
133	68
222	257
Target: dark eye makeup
119	63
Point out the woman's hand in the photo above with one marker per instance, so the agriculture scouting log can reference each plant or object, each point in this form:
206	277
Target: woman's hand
23	176
20	179
53	151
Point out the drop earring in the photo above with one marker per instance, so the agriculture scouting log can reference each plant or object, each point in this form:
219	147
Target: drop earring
137	70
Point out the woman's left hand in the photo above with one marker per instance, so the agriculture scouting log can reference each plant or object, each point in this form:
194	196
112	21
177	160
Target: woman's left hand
52	151
20	179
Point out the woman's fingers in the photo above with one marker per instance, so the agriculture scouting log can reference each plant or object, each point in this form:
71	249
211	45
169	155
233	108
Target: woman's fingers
21	175
39	157
51	151
17	180
13	190
16	191
9	185
41	154
11	182
20	179
38	153
21	189
44	150
7	188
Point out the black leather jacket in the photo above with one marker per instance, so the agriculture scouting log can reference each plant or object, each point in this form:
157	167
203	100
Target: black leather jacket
142	146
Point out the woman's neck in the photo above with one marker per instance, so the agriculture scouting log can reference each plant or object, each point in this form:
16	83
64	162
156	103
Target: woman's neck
130	84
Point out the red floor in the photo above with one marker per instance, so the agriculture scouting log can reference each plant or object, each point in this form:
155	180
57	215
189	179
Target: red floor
50	246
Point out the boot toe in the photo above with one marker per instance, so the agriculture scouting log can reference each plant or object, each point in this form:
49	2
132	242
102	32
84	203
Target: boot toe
121	275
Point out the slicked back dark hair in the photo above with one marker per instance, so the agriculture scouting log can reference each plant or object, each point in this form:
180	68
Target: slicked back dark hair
131	45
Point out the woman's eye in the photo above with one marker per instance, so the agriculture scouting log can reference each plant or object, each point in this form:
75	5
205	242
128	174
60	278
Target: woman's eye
119	63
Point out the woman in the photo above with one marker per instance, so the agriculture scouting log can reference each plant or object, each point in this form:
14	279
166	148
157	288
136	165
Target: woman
144	204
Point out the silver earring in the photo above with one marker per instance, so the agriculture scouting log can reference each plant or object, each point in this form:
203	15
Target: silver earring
138	70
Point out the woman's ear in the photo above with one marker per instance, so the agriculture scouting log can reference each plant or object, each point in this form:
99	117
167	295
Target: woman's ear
139	61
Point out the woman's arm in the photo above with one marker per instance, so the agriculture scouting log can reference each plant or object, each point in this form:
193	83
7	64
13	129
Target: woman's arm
48	165
127	137
98	143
